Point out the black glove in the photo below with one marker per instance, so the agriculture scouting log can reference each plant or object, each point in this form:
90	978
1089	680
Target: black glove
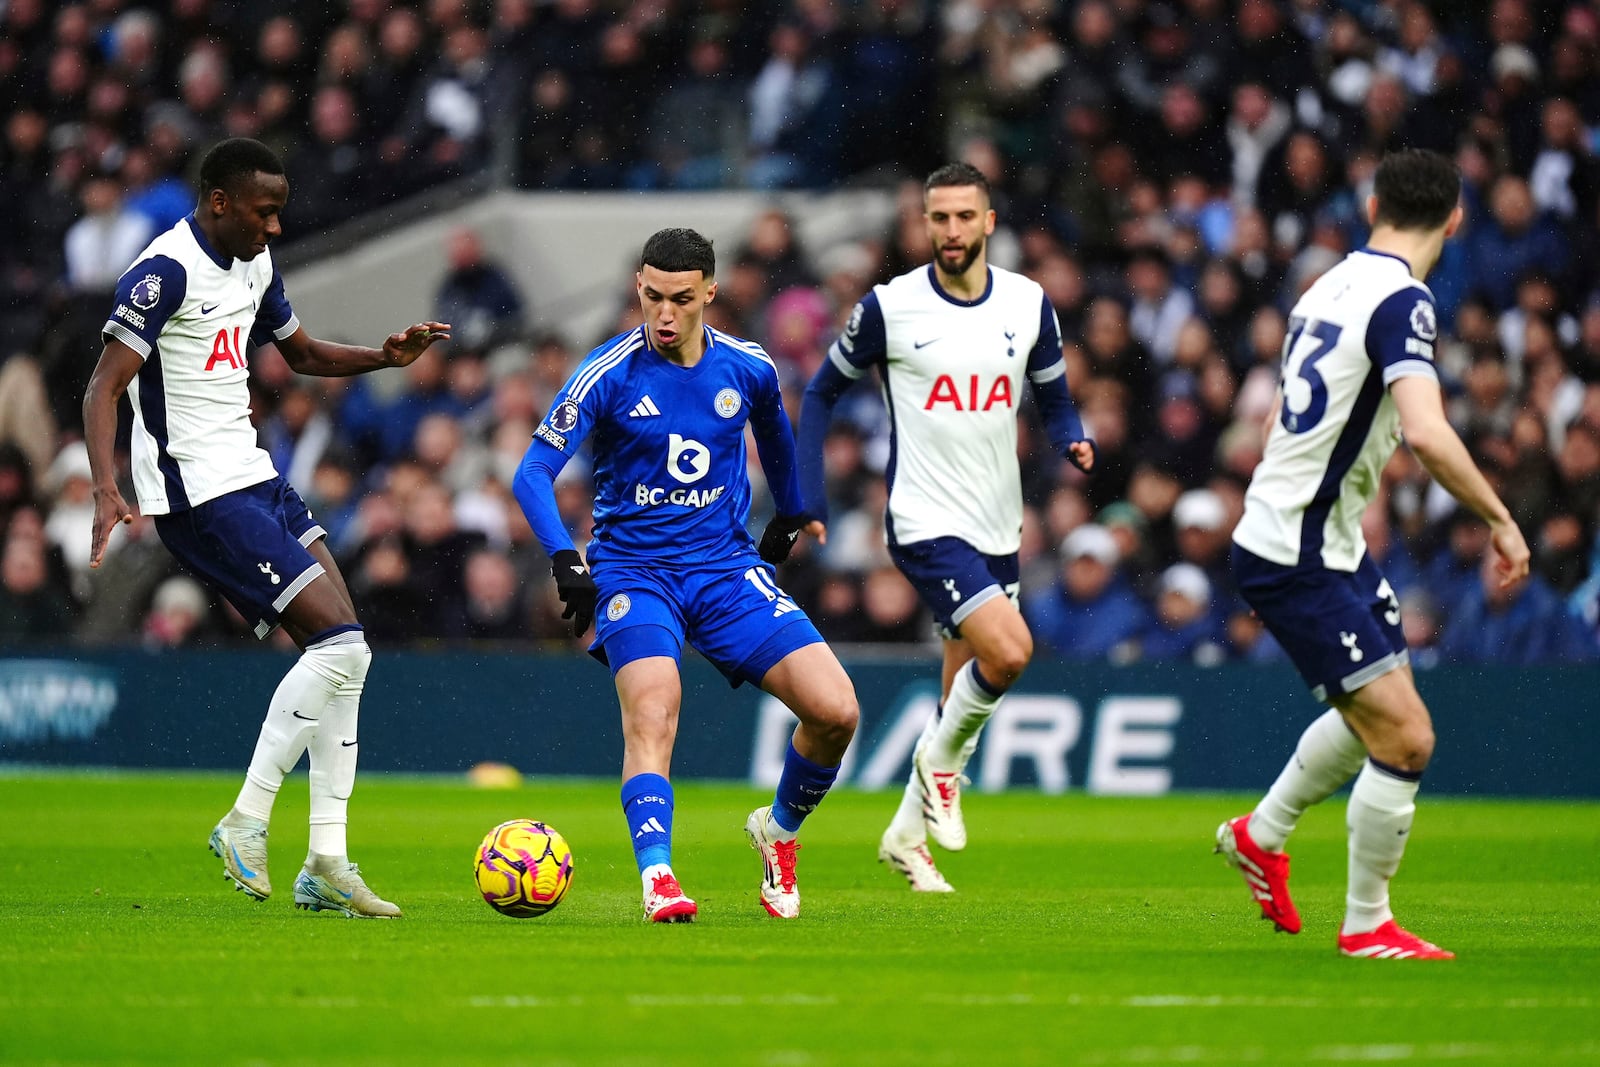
1093	450
778	539
576	589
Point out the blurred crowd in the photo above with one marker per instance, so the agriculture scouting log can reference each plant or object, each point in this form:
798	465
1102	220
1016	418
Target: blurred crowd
1174	173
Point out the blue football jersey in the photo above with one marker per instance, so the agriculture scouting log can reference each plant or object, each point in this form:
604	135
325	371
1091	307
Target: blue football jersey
668	444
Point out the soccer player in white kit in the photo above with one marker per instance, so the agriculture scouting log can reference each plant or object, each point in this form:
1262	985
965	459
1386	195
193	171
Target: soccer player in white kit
1358	375
177	342
952	342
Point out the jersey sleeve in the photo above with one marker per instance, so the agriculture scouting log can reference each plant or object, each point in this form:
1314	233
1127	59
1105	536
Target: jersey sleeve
147	295
774	436
864	342
572	414
1047	370
1401	333
275	319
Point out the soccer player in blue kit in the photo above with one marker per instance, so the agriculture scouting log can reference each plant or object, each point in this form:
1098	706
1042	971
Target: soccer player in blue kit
177	343
665	406
952	342
1358	375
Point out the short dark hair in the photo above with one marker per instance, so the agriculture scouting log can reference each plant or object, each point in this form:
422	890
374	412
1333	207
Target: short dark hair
1416	189
678	249
234	160
956	174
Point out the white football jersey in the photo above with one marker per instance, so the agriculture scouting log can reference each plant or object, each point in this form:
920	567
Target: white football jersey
952	378
1361	326
192	314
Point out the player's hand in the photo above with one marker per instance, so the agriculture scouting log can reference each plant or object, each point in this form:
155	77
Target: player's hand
109	510
1510	551
404	348
778	539
818	530
576	589
1081	454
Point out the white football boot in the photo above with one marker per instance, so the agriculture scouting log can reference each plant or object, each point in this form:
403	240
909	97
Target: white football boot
780	893
327	884
916	863
241	842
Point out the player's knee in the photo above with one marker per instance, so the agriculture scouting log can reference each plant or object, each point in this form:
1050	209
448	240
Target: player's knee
1006	665
342	657
1417	746
831	716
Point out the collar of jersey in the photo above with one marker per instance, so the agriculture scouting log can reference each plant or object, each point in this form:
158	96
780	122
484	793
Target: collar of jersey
933	280
1388	255
205	245
644	333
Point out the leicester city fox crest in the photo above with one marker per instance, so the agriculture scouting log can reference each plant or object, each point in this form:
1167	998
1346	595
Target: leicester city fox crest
728	403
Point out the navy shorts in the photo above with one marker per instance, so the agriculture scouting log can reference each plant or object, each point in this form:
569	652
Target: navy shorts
250	546
733	613
1341	630
954	579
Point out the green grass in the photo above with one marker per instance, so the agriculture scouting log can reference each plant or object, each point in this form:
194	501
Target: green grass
1086	931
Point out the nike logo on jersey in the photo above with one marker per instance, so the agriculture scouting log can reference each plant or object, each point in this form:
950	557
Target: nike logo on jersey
206	309
644	408
923	344
347	744
307	718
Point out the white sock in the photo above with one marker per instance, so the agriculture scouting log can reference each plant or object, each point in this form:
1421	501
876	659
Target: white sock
333	746
1328	754
1379	820
649	875
907	827
966	709
298	704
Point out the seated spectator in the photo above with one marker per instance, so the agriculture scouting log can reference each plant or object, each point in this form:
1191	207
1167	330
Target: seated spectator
1526	625
1091	611
477	297
1183	626
492	605
32	606
178	613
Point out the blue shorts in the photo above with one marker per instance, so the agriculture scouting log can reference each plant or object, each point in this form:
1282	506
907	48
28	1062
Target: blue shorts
732	612
250	546
1341	630
954	579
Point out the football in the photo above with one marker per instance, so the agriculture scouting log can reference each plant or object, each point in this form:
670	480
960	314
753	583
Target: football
523	868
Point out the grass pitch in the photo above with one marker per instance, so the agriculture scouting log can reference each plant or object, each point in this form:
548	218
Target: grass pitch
1085	931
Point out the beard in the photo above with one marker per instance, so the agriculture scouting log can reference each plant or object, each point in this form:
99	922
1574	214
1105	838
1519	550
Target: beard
969	256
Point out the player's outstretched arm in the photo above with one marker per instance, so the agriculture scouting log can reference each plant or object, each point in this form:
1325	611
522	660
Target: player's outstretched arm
1441	452
329	359
118	364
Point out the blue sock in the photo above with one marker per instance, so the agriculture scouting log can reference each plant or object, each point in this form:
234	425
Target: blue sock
801	787
647	803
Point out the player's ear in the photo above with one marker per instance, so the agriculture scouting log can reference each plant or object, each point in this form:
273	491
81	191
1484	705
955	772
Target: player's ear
711	292
1454	222
1372	209
988	222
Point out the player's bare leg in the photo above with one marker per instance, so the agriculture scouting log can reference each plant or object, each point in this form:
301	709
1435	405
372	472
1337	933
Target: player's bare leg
813	684
650	692
1395	727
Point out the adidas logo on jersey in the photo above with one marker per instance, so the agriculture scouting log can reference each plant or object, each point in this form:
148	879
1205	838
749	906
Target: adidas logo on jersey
644	408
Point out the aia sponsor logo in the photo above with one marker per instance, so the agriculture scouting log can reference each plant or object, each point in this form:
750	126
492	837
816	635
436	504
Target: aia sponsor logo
227	349
969	395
